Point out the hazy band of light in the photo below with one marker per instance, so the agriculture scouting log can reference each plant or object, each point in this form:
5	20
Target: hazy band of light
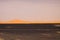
30	10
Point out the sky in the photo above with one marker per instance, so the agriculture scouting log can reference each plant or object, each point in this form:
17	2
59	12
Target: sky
30	10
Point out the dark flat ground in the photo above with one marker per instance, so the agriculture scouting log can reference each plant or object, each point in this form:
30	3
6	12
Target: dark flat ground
29	32
30	35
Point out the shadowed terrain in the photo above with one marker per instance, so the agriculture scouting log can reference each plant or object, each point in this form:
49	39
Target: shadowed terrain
29	32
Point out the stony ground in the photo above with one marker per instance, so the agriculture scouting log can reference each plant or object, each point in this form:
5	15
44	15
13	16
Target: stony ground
30	35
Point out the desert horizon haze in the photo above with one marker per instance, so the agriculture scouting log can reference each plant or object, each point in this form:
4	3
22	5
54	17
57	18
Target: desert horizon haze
33	11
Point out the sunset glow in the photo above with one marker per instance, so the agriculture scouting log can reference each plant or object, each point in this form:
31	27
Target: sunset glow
30	11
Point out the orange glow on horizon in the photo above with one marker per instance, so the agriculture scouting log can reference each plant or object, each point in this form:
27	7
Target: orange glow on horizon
22	21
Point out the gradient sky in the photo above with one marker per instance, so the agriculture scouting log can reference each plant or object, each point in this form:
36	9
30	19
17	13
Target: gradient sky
30	10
